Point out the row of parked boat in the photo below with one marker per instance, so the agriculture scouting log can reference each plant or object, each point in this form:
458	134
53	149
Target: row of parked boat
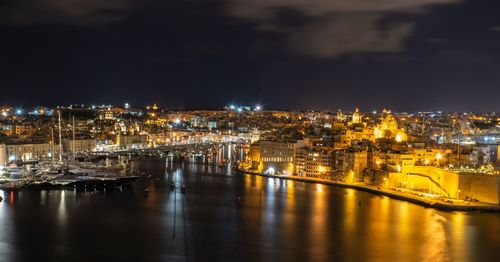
62	175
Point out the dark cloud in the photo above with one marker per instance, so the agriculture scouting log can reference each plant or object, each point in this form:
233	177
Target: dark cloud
349	33
495	28
338	27
73	12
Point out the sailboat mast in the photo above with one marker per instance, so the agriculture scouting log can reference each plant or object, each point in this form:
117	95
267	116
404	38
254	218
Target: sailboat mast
60	136
73	149
53	146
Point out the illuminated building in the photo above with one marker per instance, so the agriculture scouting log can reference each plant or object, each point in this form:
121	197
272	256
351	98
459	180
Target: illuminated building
23	130
107	114
399	161
359	134
340	116
131	141
356	117
253	157
278	156
29	152
438	181
79	145
352	162
313	163
212	124
388	128
6	129
3	154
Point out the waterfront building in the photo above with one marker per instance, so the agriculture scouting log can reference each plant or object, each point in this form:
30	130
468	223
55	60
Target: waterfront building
351	163
253	157
315	163
131	141
79	145
278	157
448	183
30	152
3	154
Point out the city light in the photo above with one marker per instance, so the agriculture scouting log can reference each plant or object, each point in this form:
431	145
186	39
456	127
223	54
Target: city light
439	156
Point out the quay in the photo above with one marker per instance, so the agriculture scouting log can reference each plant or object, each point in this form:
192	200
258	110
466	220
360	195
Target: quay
404	196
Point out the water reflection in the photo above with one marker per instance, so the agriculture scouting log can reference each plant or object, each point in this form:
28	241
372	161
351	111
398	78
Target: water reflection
318	224
235	217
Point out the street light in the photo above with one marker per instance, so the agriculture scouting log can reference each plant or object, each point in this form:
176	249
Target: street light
438	157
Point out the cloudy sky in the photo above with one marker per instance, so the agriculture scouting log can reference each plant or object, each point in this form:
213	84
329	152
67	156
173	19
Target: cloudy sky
287	54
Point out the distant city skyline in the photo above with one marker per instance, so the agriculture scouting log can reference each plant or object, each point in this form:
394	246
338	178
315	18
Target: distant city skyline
24	108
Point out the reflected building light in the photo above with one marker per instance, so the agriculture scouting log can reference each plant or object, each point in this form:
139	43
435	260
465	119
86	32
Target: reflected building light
319	188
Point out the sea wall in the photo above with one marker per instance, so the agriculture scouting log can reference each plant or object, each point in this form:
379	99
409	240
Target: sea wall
485	188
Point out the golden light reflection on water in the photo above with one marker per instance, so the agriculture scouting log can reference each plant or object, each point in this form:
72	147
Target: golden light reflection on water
433	242
318	223
61	209
289	212
404	220
377	226
319	188
457	239
290	195
350	212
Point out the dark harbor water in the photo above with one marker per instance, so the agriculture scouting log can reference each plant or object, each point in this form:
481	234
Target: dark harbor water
228	216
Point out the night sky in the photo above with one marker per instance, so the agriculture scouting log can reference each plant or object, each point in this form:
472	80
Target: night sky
407	55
